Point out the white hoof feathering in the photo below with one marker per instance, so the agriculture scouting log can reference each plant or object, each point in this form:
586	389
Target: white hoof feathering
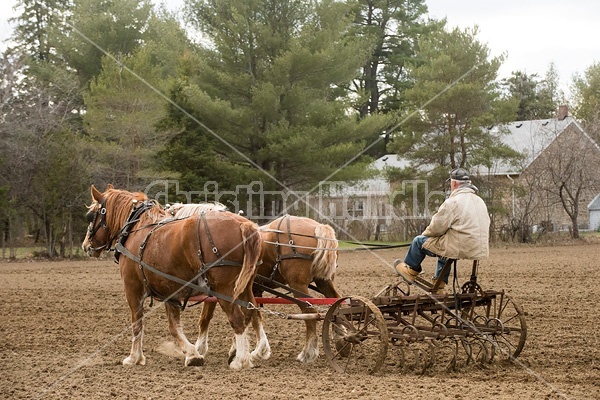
202	344
310	351
263	348
242	355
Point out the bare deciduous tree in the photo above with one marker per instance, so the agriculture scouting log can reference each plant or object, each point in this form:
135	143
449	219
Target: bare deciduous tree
568	172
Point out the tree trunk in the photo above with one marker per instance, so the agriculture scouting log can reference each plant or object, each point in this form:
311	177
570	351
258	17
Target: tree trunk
575	231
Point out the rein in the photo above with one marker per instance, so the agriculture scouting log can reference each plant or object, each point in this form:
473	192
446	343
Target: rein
296	234
363	246
372	246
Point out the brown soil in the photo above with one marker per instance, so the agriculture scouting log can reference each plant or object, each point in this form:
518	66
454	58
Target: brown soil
64	330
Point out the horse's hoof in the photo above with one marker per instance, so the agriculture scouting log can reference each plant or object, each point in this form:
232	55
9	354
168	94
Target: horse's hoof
238	364
307	358
131	361
194	362
260	355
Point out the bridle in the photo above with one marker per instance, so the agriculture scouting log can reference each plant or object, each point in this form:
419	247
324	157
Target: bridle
121	234
94	227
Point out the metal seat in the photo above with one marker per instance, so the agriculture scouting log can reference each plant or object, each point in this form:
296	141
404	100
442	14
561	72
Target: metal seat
449	262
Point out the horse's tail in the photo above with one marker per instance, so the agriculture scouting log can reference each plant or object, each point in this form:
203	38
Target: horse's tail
252	243
325	256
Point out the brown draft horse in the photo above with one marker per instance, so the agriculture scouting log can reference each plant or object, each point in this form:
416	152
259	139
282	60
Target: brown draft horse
296	252
170	259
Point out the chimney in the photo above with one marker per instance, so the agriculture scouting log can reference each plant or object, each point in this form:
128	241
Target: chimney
563	112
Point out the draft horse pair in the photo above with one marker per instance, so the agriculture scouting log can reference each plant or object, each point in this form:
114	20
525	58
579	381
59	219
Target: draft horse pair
167	258
296	252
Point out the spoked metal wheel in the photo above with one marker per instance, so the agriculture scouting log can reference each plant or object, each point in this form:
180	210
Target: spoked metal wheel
510	328
502	322
355	336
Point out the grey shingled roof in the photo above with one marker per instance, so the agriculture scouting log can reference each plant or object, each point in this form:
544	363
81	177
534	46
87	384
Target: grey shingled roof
529	138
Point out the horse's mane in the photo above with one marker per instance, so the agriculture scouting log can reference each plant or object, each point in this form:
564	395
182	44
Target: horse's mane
180	210
122	202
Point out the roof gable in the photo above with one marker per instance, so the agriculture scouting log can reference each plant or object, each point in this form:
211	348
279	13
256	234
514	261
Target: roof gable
595	204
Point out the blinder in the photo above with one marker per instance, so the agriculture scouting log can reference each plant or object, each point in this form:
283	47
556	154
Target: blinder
92	217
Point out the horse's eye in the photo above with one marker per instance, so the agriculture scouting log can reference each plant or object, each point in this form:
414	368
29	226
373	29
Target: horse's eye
90	216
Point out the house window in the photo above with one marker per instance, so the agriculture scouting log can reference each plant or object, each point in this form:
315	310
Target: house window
355	208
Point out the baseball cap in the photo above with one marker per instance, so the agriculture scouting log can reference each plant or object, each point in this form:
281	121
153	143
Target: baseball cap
459	174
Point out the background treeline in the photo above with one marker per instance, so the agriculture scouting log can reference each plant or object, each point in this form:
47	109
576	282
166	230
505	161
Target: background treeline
284	92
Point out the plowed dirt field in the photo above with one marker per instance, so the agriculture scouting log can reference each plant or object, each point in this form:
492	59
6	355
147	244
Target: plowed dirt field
64	331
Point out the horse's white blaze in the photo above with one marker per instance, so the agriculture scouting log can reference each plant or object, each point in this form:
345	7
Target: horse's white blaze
263	348
310	351
242	355
202	343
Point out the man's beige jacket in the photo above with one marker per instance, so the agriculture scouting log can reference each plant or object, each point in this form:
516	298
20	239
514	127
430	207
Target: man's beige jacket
460	228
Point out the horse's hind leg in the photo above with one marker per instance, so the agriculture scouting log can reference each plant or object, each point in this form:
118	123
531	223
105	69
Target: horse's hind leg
192	357
311	347
237	319
327	288
263	348
208	310
262	351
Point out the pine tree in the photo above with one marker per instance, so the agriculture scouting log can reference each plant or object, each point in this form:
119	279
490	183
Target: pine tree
457	101
265	95
36	27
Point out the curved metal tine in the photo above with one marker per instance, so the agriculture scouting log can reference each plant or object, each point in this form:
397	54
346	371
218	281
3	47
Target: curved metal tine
446	352
468	350
430	357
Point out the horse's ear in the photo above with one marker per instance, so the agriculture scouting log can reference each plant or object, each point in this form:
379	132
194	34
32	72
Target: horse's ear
109	186
96	195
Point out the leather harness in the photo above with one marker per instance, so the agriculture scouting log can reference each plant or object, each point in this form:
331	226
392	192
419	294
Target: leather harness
293	254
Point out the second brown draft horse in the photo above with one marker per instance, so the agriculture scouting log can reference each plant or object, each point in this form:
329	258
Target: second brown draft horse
172	259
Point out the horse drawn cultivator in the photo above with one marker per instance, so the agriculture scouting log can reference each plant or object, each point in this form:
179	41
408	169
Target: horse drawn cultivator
417	332
426	331
409	327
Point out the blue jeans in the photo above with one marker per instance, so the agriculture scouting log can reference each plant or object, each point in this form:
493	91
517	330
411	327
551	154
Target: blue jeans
416	254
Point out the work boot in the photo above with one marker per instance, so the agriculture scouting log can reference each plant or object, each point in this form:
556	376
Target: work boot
440	289
406	272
